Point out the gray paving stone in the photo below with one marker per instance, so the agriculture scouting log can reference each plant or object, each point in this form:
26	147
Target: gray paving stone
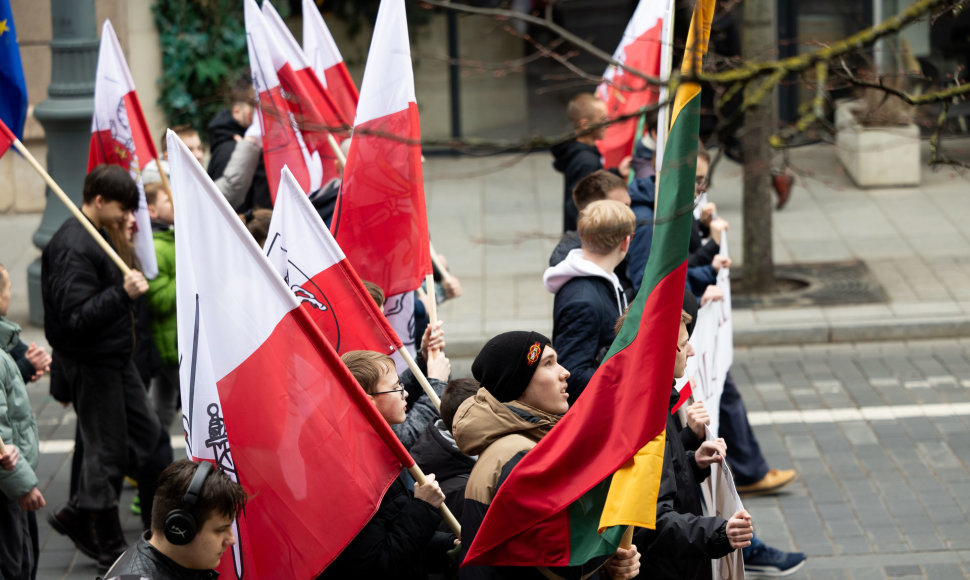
852	545
943	571
867	574
903	571
925	542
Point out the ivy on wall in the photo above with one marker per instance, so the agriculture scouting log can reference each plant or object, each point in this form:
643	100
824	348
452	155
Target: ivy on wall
203	46
204	54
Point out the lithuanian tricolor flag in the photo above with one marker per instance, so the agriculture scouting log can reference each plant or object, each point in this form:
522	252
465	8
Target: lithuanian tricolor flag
570	499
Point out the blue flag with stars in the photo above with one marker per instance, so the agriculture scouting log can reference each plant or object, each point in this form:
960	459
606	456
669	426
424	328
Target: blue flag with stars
13	88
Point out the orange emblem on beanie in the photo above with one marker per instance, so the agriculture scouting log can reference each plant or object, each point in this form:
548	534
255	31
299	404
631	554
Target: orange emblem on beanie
534	351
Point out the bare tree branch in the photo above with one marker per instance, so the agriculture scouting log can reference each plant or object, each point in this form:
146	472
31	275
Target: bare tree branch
546	23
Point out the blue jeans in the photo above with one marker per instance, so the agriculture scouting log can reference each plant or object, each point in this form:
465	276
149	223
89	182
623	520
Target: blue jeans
744	454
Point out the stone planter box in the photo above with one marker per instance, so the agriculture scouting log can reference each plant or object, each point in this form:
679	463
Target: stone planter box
876	156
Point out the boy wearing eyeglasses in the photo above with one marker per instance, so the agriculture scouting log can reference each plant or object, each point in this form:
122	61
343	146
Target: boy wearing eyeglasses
401	540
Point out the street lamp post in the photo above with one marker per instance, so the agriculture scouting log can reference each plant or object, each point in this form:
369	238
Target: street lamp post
66	118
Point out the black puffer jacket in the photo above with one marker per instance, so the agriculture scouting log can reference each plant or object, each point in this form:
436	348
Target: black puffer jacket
684	542
223	129
143	561
87	313
701	254
436	452
575	161
398	542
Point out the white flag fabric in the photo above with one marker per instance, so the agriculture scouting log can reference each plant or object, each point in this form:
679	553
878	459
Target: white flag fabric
119	135
314	267
284	143
266	398
713	342
324	56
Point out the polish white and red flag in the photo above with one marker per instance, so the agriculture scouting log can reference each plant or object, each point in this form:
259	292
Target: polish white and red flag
310	102
7	138
265	397
625	93
120	136
380	219
325	58
281	109
314	267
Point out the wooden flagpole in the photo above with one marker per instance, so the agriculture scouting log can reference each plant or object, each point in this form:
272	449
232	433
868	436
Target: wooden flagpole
336	149
432	298
437	264
161	171
627	540
446	514
432	307
125	270
422	380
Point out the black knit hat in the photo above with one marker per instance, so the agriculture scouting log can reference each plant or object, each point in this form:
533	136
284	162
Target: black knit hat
507	362
690	306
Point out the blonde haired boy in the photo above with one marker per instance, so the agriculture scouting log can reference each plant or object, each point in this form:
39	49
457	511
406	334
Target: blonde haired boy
589	296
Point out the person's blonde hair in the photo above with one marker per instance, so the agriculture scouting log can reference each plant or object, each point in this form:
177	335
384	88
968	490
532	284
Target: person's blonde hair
582	107
376	293
368	367
604	224
152	190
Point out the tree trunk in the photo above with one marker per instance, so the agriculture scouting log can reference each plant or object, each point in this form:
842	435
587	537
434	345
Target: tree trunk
758	41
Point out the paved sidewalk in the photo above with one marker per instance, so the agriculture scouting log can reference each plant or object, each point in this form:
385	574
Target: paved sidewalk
497	220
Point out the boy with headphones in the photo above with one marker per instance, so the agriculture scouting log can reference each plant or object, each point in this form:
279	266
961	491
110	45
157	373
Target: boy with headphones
195	505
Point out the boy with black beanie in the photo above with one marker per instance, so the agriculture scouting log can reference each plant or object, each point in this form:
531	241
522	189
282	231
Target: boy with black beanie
523	396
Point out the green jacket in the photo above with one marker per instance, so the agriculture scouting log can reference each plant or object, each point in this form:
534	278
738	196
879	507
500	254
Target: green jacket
161	298
17	424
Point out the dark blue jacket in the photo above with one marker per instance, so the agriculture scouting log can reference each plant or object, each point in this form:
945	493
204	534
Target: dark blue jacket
642	199
575	161
585	310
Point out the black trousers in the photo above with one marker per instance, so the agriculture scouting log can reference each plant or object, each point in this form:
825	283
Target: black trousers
118	431
18	541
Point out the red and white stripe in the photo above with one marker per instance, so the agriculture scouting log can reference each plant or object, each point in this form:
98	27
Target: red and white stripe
325	58
624	93
380	219
120	135
283	142
314	267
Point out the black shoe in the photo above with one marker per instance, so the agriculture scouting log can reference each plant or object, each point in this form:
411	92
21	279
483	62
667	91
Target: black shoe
76	525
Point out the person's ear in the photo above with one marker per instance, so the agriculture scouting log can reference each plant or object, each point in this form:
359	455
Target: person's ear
99	202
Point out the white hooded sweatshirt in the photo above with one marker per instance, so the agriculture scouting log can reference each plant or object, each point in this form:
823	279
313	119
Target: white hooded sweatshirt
575	266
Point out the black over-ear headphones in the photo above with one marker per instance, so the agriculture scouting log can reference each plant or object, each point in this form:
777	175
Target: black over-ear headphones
180	524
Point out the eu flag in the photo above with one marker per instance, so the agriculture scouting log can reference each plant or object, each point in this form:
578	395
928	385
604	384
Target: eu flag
13	89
